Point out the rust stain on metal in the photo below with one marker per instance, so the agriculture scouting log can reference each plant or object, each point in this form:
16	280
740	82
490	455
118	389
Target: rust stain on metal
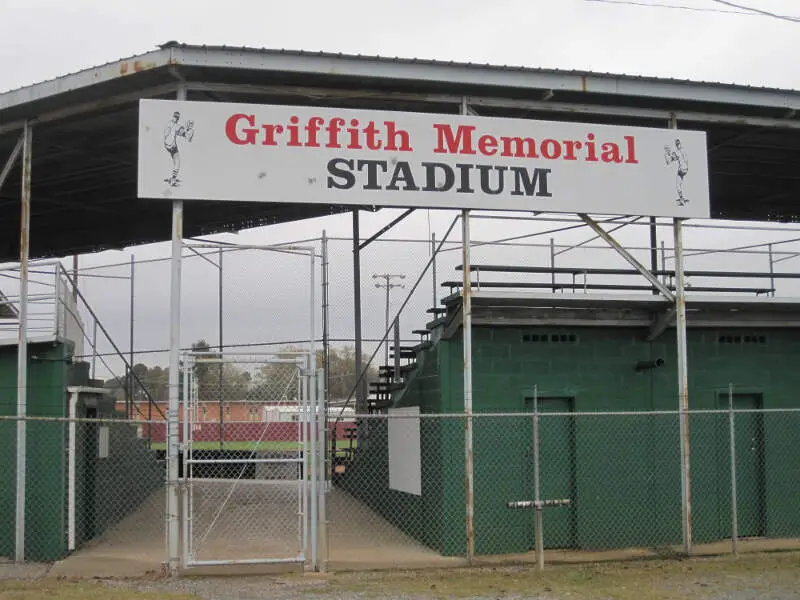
136	66
584	83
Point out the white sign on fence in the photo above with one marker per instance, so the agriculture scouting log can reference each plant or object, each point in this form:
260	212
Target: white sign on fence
218	151
405	450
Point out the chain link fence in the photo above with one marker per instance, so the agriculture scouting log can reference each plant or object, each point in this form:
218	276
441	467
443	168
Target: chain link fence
89	483
396	493
245	434
609	483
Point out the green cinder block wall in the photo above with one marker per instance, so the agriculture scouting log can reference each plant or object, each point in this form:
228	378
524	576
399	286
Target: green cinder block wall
621	472
45	531
107	489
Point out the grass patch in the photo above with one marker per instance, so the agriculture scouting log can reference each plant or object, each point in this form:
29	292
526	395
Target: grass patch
59	590
642	580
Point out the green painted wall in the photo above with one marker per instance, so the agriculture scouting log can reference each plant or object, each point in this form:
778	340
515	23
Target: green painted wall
367	478
627	478
621	472
107	489
46	475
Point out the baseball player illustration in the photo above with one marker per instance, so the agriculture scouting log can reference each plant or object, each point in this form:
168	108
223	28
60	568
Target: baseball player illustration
173	130
677	155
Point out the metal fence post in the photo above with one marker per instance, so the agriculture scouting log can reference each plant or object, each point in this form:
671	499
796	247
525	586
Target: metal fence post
132	382
173	525
683	390
22	343
734	510
314	405
322	487
220	321
467	329
326	349
536	489
186	368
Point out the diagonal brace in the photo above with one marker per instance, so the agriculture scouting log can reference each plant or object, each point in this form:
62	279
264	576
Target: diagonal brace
628	257
661	323
371	239
12	159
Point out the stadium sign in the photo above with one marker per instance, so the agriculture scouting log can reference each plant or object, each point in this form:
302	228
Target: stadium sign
237	152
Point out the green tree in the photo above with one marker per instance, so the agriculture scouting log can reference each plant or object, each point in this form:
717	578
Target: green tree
277	382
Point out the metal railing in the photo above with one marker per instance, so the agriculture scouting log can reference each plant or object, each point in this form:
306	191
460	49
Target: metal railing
56	311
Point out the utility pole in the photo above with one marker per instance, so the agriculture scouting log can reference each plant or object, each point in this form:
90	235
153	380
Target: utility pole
388	285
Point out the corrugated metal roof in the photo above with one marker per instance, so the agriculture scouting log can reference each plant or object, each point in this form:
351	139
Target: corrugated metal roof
170	53
469	65
87	201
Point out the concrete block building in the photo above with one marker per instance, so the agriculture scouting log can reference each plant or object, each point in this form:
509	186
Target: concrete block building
584	357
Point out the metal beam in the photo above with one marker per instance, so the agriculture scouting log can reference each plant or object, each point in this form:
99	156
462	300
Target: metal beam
374	237
360	67
635	112
84	107
628	257
12	160
511	103
322	92
660	325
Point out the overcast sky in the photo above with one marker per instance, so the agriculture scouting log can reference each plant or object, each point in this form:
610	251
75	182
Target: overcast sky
43	39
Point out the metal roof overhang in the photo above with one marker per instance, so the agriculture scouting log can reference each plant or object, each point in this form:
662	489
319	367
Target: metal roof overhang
85	132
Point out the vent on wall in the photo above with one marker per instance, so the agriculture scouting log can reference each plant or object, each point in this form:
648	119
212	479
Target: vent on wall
550	338
742	339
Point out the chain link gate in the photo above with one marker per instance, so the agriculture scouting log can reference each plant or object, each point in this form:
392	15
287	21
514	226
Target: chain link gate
251	428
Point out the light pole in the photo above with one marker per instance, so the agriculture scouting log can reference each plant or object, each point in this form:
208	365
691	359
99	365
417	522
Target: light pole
388	285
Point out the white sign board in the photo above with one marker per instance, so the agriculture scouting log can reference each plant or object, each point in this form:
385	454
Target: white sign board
405	460
219	151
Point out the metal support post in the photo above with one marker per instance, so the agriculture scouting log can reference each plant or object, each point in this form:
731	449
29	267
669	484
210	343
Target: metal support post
539	539
771	271
396	376
663	262
536	488
361	396
653	250
314	405
326	350
734	495
22	340
433	267
75	279
553	263
387	277
173	524
94	348
221	346
322	487
467	328
130	346
186	368
683	389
